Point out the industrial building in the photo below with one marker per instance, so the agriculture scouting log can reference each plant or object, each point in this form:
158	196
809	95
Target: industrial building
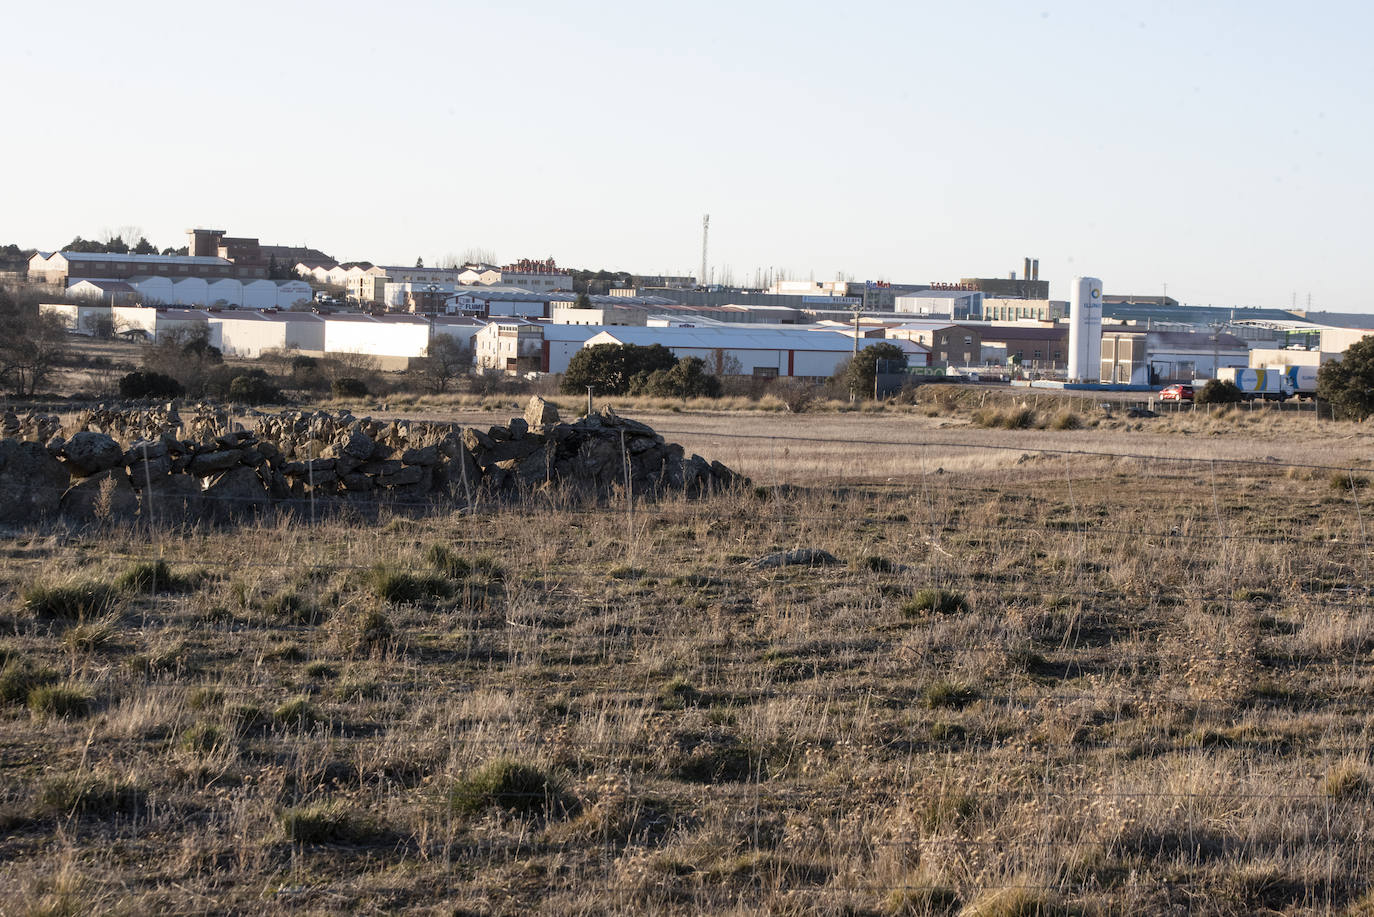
1162	357
998	309
802	352
1034	347
60	269
250	334
947	344
956	305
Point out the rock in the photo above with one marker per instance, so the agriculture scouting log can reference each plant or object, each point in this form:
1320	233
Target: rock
358	483
508	449
477	441
390	466
236	492
145	450
359	445
173	497
409	474
804	557
31	482
528	472
518	427
142	474
540	414
429	455
599	461
207	463
90	453
347	464
104	496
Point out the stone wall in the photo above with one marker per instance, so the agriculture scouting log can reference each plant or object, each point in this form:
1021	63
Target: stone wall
151	464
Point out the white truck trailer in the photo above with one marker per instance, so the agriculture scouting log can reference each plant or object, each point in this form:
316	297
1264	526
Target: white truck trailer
1302	380
1269	384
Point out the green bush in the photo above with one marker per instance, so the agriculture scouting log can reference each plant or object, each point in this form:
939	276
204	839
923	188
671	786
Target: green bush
401	587
93	797
19	678
289	607
149	384
1218	392
253	387
611	369
508	785
89	637
445	561
150	577
363	631
942	694
202	738
1346	481
69	602
1347	384
63	701
348	387
1013	419
678	694
935	601
328	823
296	712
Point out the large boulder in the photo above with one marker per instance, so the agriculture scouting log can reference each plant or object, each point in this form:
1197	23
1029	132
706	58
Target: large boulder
31	482
104	497
172	498
539	413
236	492
90	453
207	463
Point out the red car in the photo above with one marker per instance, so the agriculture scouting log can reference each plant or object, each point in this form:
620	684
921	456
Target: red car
1177	392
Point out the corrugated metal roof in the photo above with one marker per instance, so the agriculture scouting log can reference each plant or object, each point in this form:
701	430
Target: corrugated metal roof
145	259
735	338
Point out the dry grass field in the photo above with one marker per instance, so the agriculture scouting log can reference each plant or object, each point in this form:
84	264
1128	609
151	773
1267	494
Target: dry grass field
1120	668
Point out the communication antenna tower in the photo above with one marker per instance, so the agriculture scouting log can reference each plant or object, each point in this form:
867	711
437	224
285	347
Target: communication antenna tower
705	233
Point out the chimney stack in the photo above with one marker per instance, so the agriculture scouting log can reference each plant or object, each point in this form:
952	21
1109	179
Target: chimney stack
1035	269
1026	274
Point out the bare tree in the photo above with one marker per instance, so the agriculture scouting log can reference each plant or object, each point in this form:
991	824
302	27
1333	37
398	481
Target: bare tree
31	347
478	256
446	361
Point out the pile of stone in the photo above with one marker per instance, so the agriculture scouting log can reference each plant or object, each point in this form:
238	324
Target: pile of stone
310	458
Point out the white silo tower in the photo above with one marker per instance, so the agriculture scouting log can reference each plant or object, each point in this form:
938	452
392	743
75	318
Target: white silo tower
1085	330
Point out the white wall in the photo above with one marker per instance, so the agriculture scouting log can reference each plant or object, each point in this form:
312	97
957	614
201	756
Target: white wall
190	291
259	294
382	339
155	290
228	290
292	292
249	337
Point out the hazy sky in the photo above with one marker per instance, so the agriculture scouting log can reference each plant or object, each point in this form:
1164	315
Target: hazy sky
1220	148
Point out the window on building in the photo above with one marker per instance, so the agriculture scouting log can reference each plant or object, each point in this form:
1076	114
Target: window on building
1039	355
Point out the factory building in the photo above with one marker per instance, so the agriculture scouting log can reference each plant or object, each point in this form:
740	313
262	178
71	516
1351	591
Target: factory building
953	304
766	353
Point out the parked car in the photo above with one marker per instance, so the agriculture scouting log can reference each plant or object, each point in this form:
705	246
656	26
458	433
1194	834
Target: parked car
1176	392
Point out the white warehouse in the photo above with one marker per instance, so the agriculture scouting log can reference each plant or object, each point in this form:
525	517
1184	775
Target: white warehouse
249	334
759	352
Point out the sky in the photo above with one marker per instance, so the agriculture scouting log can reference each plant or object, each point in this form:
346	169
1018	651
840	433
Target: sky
1215	149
